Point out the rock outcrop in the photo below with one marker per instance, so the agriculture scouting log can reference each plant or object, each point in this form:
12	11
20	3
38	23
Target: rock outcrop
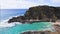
44	13
39	32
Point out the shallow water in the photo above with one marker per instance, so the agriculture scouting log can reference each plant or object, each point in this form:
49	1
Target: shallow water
14	28
19	28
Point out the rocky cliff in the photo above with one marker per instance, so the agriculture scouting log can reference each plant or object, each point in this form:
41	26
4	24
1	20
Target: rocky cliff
44	13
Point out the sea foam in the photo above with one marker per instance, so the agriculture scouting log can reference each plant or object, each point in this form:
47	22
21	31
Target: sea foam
4	23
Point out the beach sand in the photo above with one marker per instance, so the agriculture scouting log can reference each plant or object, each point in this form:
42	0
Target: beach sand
57	27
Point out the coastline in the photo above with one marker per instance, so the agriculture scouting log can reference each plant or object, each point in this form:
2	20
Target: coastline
37	32
35	14
33	31
54	25
51	30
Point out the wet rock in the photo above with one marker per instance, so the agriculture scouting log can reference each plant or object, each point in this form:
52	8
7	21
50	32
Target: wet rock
37	32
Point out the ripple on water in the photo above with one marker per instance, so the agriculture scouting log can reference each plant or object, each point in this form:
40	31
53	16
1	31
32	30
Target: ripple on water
19	28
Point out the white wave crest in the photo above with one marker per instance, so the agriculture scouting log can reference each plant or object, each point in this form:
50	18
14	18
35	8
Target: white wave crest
4	23
9	24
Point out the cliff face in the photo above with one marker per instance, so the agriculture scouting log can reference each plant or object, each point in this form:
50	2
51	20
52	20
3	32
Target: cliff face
41	12
44	13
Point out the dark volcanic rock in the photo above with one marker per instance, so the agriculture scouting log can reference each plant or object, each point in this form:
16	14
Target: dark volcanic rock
44	13
17	19
37	32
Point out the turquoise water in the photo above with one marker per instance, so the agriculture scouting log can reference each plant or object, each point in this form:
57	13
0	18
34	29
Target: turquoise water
19	28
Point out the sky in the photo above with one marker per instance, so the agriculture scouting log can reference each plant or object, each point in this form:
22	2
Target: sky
25	4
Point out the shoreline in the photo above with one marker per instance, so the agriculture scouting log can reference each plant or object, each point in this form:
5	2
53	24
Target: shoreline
56	23
33	31
55	32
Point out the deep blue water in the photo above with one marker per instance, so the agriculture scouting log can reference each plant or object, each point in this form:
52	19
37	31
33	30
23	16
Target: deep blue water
7	13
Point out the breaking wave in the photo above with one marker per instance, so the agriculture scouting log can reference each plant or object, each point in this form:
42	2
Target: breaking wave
4	23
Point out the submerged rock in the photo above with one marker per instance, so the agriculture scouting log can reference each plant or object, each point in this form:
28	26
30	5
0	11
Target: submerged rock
37	32
43	13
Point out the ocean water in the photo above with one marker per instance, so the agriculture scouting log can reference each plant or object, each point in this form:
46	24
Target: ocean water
8	13
18	28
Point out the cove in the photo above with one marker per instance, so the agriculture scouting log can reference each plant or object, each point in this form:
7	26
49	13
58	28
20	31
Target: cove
19	28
